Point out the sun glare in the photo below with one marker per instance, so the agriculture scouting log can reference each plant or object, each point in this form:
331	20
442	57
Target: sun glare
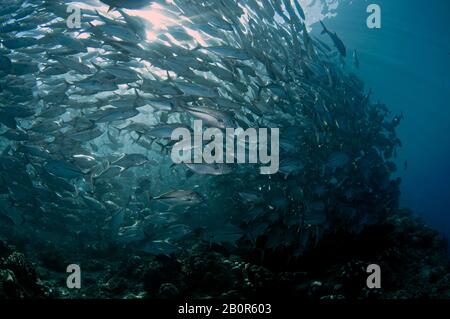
155	16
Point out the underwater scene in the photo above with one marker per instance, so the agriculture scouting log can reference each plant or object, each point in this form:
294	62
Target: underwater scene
224	150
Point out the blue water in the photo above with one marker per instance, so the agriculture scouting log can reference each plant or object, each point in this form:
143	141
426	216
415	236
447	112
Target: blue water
406	63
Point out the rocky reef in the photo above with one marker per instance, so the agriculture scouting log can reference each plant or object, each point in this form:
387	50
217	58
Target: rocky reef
18	276
412	256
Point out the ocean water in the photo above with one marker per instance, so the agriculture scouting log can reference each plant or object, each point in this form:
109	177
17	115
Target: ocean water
406	63
106	190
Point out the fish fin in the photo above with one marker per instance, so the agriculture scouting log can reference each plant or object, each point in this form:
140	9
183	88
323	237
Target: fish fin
325	30
300	10
67	82
198	47
96	66
138	96
169	78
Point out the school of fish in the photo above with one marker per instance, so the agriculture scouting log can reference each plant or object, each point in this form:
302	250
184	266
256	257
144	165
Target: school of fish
86	117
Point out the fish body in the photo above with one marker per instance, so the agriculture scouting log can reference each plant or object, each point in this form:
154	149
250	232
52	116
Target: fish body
179	197
336	40
127	4
63	169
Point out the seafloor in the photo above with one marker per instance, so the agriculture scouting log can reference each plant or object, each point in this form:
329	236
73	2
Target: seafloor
413	259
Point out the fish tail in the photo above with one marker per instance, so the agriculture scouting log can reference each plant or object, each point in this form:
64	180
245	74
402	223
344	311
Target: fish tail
261	88
139	137
90	180
163	147
118	129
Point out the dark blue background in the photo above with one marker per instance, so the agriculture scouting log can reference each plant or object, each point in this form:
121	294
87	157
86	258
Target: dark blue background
406	63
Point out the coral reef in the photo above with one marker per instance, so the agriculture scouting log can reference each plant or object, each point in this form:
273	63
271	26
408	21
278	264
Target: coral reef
412	256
